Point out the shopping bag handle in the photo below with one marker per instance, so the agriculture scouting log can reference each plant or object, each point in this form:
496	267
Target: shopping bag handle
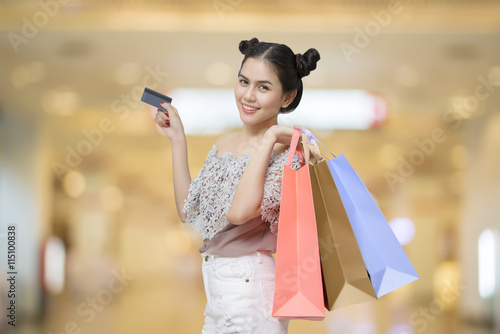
312	139
294	147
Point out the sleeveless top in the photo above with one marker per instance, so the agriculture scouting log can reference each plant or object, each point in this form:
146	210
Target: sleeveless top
211	194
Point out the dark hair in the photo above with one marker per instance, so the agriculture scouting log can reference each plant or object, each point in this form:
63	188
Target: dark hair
290	68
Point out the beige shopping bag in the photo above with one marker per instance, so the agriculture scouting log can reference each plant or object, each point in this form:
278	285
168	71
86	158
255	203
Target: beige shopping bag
345	279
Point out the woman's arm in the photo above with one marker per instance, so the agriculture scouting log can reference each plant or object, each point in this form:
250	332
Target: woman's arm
171	125
250	190
182	176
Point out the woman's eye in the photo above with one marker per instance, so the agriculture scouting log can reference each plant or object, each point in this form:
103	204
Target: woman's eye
243	82
264	87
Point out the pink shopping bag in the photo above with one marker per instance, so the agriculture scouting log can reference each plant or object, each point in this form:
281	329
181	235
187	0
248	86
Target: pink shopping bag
298	284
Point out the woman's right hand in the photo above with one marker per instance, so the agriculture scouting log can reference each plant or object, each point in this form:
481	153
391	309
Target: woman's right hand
170	122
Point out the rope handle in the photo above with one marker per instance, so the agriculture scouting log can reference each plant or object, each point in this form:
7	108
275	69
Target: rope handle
294	147
313	140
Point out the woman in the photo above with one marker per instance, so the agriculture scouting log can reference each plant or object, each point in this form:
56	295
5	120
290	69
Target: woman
234	200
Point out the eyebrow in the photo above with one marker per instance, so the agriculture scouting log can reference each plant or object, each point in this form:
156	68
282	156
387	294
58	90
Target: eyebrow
260	81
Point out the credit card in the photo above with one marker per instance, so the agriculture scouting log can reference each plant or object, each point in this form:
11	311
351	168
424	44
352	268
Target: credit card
154	98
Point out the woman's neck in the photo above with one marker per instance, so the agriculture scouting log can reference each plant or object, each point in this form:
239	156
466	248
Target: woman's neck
256	131
249	138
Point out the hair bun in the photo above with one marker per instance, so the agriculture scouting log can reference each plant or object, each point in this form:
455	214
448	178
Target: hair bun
307	62
245	45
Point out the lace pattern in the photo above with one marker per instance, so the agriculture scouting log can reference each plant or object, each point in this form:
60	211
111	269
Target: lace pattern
211	192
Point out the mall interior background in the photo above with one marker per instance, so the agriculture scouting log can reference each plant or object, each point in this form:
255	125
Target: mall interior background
86	176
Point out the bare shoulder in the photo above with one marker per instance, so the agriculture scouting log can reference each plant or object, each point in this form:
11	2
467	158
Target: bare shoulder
280	148
224	140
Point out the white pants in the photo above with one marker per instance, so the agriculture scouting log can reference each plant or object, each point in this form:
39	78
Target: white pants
240	294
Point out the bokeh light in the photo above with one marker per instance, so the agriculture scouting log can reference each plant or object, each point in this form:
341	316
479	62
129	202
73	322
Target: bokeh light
74	184
404	229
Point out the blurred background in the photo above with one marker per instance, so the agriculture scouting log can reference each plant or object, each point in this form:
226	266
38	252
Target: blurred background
407	90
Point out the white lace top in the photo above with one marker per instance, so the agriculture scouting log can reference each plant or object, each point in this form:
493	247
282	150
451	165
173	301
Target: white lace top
211	192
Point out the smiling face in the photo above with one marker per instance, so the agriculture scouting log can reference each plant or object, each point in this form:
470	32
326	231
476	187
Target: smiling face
259	95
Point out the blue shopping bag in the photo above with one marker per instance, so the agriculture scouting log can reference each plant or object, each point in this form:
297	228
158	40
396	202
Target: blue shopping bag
385	260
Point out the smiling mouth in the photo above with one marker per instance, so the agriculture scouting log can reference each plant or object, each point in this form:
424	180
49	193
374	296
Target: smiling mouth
249	109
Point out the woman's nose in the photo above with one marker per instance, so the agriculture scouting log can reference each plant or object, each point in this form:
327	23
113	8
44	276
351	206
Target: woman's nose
249	94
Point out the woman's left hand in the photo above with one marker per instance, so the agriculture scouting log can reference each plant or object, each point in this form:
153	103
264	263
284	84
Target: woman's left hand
280	134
